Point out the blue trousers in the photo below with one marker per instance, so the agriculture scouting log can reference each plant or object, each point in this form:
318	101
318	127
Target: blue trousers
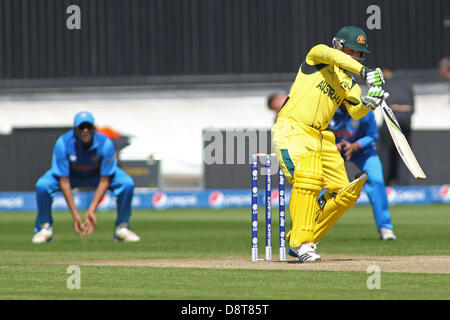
121	184
376	190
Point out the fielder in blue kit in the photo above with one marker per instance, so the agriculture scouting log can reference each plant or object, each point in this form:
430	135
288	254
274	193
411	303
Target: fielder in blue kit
355	140
83	157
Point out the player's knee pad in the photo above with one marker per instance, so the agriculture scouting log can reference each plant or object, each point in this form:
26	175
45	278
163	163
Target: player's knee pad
308	173
335	206
348	196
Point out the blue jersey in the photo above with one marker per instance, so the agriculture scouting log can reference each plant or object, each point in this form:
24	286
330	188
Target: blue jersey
364	131
71	159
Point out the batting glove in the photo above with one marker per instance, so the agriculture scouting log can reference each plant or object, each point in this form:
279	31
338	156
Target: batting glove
374	97
373	78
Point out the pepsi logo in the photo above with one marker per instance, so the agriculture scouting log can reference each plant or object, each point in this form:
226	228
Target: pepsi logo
444	192
159	200
216	199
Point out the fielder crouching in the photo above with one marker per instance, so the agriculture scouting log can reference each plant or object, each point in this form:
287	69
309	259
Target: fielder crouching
84	157
307	152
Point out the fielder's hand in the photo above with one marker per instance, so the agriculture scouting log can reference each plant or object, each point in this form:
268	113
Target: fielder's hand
79	226
90	221
349	148
374	97
373	78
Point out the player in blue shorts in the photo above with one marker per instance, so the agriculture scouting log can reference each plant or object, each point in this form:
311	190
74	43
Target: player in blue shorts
355	139
84	157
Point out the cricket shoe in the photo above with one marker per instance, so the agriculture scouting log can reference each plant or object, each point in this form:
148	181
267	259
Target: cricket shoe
122	233
44	235
293	253
305	253
387	234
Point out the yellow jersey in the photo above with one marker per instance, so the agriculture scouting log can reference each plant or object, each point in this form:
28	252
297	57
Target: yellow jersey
322	84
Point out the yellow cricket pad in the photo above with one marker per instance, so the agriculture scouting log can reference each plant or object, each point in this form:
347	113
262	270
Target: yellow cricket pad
335	207
303	205
318	212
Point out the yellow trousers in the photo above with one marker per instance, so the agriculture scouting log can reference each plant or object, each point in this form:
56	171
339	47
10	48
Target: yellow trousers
310	161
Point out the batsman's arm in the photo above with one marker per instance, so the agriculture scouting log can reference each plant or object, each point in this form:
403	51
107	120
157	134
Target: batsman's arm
323	54
354	105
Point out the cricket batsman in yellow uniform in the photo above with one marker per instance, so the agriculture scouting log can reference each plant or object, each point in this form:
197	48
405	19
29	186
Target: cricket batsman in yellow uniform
307	152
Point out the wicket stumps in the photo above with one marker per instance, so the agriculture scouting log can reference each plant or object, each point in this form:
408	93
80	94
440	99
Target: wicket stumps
268	209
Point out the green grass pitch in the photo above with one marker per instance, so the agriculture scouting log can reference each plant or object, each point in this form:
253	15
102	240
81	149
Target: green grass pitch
26	274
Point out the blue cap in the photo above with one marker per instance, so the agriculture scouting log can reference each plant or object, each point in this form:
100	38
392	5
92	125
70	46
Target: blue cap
83	116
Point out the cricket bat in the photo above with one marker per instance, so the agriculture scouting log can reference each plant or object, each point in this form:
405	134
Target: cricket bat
401	143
